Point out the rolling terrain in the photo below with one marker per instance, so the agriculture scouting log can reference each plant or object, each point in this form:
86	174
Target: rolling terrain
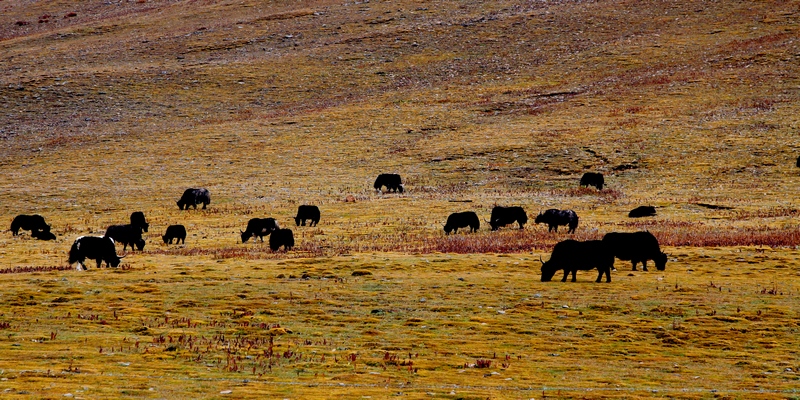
118	106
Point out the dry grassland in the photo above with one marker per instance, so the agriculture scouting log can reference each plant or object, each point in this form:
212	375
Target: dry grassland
118	106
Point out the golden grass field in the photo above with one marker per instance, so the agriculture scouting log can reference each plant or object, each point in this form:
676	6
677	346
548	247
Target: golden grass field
118	106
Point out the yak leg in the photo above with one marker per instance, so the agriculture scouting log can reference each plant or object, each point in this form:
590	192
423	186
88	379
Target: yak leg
574	273
606	271
566	274
634	265
644	265
99	262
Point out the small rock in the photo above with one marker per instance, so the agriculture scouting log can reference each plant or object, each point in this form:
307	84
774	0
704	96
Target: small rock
422	300
226	392
565	306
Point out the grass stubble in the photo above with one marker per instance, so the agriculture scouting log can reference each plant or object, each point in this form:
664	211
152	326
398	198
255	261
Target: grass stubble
270	105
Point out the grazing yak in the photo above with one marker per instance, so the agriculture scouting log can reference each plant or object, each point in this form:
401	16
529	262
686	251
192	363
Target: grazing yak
96	248
502	216
177	232
281	237
306	212
33	223
193	197
128	235
572	255
462	220
259	227
137	219
42	235
592	179
642	211
554	217
392	182
636	247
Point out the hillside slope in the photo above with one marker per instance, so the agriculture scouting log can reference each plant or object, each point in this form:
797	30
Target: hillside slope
500	93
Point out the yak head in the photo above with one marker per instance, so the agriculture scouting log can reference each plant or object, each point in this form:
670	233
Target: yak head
245	236
139	244
547	270
448	229
661	261
539	218
114	261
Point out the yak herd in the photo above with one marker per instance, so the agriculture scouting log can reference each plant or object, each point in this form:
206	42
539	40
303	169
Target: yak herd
568	255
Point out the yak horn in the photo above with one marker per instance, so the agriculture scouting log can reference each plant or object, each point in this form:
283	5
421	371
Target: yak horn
121	257
540	259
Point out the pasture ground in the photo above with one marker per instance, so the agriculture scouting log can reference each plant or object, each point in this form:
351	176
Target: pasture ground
112	107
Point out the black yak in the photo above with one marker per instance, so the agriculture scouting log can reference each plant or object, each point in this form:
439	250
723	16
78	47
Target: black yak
96	248
462	220
193	197
176	232
306	212
128	235
281	237
642	211
33	223
636	247
392	182
572	255
554	217
593	179
259	227
42	235
137	219
502	216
